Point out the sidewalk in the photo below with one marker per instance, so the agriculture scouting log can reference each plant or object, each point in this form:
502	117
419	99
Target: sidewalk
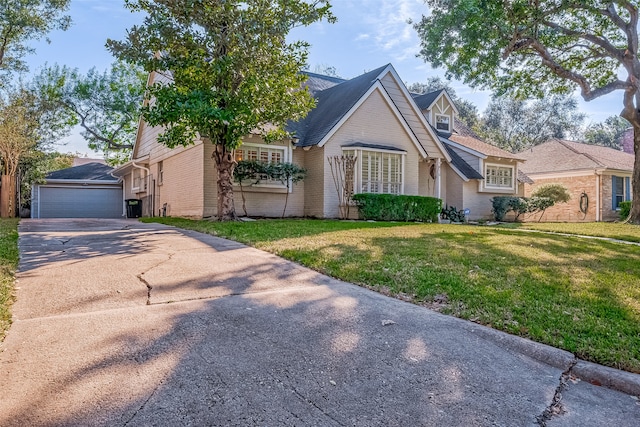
123	323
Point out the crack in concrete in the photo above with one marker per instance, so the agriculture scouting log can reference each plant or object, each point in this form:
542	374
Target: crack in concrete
135	414
556	406
312	403
145	282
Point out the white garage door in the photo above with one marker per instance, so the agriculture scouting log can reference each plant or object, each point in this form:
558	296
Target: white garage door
80	202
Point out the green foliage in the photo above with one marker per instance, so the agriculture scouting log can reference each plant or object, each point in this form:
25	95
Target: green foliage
232	72
625	210
452	213
106	104
516	125
608	133
35	166
502	205
9	257
558	193
391	207
22	21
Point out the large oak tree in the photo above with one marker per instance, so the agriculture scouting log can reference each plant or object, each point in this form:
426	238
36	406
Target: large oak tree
533	47
22	21
231	72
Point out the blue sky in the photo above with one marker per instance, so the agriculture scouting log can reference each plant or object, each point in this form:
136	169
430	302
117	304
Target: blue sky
368	34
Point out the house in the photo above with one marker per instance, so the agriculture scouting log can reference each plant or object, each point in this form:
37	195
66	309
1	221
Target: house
598	178
86	191
404	144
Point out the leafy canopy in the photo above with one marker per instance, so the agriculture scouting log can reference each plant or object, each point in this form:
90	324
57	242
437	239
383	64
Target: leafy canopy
230	69
515	125
105	104
22	21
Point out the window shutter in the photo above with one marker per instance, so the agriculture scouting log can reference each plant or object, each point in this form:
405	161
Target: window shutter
613	193
627	188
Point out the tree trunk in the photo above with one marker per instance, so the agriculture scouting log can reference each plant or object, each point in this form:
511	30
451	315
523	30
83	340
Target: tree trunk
8	196
634	217
225	163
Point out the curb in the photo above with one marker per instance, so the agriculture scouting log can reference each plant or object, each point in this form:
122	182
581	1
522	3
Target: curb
598	375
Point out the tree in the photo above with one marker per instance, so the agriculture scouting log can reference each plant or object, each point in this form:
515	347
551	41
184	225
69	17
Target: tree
516	125
33	168
468	111
607	133
230	68
287	174
529	48
105	104
25	20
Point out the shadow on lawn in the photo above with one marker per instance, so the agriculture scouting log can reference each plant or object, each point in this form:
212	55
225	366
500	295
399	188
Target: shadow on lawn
294	348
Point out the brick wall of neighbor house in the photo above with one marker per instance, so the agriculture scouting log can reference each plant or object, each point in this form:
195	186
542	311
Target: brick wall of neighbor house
374	122
570	211
182	185
609	214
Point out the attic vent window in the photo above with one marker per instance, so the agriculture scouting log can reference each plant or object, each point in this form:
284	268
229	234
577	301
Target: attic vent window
442	123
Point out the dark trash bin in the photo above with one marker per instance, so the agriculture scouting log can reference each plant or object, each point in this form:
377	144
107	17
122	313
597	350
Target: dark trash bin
134	208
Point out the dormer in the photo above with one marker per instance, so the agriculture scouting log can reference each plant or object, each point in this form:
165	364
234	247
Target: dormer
439	110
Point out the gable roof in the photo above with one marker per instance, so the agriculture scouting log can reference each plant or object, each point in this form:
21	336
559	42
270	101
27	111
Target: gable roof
87	172
424	100
560	155
332	104
459	164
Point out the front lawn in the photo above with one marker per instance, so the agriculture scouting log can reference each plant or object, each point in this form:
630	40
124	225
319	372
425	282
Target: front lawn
613	230
578	294
8	265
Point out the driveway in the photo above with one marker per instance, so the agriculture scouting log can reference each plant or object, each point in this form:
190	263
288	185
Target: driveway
119	323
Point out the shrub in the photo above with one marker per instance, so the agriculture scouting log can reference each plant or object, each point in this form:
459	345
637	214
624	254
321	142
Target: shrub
558	193
519	205
389	207
625	210
452	213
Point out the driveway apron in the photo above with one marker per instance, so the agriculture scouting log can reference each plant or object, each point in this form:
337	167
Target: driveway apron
122	323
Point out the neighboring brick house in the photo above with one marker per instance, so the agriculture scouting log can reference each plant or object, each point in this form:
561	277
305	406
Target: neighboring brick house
627	141
403	143
598	178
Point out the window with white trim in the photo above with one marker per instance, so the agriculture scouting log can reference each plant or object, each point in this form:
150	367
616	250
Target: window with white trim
443	122
270	154
378	171
498	177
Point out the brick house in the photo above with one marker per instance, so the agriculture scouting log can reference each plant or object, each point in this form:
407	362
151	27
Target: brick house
404	143
598	178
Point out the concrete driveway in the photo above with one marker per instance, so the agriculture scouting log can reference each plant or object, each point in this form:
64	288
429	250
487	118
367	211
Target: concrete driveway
119	323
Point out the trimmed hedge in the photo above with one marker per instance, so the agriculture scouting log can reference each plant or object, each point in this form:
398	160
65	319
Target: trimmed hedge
518	205
390	207
625	210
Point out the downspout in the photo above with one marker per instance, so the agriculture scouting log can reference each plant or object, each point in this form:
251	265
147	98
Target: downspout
152	190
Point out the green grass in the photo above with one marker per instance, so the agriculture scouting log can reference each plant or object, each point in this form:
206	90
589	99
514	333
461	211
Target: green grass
578	294
613	230
8	265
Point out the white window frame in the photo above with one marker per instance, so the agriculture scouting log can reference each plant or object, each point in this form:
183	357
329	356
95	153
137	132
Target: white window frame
142	178
357	173
498	187
448	117
286	155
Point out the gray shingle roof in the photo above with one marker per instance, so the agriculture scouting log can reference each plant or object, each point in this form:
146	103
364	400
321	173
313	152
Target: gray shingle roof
332	104
459	162
319	82
89	171
426	99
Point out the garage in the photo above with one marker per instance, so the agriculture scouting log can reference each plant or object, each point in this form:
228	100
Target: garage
86	191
